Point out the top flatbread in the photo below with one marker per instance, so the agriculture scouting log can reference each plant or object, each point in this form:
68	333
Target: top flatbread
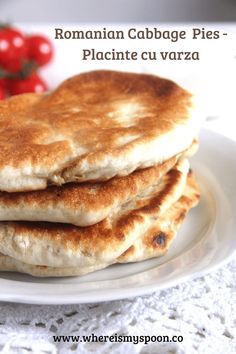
94	126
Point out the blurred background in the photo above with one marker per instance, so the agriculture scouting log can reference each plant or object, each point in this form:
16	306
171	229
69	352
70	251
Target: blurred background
118	10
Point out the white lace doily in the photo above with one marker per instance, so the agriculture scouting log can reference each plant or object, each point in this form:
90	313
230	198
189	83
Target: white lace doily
203	311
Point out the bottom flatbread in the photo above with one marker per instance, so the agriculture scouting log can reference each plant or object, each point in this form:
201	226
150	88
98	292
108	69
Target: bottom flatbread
155	242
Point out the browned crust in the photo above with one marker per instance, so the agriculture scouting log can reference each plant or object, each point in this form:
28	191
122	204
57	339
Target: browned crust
101	237
157	240
92	196
154	243
43	132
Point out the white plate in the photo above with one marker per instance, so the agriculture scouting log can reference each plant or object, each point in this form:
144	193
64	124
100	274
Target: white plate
205	241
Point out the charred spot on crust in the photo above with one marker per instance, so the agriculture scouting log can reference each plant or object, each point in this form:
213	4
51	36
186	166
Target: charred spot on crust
159	239
129	251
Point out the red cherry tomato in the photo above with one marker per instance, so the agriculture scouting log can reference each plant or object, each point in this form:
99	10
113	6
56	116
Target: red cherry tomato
12	45
3	83
33	83
2	93
14	65
39	49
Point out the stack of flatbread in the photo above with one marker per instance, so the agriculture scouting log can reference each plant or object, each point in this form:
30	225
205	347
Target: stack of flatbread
94	173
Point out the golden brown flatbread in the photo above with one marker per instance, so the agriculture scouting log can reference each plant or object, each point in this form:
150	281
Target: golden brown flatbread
83	204
64	245
94	126
153	243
